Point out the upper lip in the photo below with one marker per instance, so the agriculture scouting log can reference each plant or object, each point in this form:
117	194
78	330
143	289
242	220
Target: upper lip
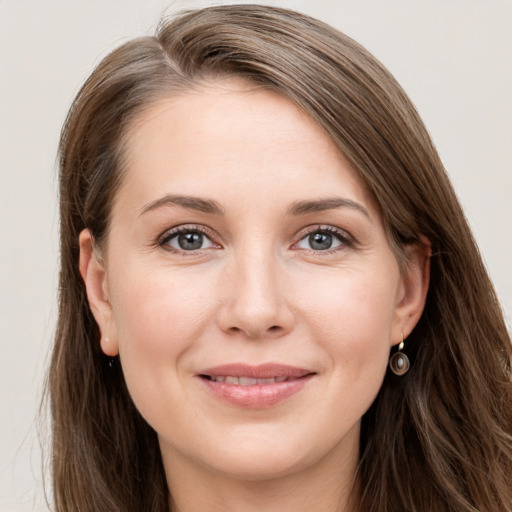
261	371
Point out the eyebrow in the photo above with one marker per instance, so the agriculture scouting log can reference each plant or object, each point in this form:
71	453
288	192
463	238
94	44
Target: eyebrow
330	203
212	207
188	202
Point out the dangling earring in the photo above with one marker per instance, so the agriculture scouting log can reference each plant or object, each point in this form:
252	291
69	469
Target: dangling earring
111	360
399	362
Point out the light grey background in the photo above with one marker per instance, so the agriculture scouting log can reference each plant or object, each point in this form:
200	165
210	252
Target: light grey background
453	57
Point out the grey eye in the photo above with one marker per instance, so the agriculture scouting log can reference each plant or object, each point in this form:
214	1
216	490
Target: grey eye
190	241
320	240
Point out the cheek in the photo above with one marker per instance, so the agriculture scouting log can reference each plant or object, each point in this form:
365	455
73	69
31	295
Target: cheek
157	306
351	314
158	316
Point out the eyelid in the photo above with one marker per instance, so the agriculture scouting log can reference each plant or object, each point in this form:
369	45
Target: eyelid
184	228
347	240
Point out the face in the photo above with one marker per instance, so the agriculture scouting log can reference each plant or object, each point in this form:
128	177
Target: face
247	285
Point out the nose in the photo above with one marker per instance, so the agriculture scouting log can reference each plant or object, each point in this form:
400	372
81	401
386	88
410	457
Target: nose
254	302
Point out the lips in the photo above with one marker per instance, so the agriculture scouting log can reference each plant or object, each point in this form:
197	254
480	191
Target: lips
245	381
254	387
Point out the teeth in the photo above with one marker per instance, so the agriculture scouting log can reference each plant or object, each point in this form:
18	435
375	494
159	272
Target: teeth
267	381
246	381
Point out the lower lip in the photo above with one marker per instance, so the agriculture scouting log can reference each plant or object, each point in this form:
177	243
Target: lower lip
258	396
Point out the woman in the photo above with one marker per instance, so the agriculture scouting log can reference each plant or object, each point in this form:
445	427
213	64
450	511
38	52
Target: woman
252	217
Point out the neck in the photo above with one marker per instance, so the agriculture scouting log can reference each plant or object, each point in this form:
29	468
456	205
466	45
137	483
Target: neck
328	485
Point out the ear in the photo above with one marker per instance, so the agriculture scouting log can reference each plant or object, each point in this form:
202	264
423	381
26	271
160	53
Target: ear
92	270
415	278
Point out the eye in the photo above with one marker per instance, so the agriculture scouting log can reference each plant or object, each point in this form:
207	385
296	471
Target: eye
185	239
324	239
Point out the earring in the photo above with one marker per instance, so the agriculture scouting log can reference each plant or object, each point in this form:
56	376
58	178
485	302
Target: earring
399	362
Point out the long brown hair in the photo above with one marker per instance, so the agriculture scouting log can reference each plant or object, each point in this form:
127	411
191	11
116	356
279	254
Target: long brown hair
437	439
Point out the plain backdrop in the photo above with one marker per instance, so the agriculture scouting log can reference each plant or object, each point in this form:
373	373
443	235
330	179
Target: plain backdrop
453	57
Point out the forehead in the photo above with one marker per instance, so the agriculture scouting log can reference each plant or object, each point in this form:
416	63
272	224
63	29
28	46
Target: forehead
232	137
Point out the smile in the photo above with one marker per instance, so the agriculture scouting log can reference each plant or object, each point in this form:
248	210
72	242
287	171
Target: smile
245	381
254	387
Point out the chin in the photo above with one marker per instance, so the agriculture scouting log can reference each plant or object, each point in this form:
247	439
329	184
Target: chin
263	454
260	467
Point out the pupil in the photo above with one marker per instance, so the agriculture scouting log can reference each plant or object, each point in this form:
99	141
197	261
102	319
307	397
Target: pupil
190	241
320	241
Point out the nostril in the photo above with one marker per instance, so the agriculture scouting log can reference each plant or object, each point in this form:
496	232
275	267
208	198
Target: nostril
274	328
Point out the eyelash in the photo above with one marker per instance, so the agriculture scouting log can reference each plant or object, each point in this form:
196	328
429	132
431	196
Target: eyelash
174	232
342	236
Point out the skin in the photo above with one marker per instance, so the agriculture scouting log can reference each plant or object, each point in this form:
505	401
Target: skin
257	291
